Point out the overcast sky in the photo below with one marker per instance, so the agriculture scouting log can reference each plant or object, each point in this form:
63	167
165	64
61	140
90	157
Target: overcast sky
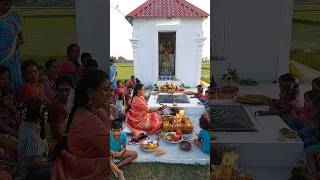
121	30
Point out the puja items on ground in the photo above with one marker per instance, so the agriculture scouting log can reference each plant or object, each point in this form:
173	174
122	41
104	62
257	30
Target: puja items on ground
149	145
174	137
185	145
180	121
168	88
228	169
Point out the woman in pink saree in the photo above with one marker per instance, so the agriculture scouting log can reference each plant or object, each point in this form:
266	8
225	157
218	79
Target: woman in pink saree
140	118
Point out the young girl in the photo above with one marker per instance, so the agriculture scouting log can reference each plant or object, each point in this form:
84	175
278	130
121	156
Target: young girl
33	150
303	121
203	141
288	98
120	108
120	88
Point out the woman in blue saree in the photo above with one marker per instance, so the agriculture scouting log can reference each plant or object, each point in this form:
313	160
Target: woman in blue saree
113	73
11	38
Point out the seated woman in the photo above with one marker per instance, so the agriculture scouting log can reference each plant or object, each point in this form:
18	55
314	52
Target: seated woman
50	77
141	118
58	111
84	153
31	86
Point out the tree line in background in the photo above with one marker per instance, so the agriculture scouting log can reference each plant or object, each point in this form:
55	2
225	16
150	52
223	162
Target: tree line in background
121	59
45	2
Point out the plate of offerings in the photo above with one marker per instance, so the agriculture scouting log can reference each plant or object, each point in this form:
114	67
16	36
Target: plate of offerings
168	88
171	123
173	137
149	145
253	99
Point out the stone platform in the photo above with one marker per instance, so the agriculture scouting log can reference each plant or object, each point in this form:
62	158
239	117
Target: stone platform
192	108
266	147
173	153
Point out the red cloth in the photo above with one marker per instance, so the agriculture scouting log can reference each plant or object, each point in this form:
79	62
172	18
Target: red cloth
87	155
28	90
120	91
68	67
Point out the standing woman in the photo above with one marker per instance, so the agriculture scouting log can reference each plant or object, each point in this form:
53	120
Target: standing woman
70	65
84	152
113	73
11	38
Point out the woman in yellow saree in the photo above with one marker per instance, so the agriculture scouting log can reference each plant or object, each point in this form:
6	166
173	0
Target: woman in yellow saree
140	118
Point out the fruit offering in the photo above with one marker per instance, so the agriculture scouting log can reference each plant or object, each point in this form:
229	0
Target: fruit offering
174	137
180	121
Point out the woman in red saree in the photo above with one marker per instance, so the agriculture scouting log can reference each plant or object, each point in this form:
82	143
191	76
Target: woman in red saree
31	86
140	118
84	153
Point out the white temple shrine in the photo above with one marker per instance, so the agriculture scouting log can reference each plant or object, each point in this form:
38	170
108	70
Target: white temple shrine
167	41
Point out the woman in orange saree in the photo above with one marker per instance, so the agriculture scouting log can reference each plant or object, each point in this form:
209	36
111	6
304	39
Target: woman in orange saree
84	152
140	118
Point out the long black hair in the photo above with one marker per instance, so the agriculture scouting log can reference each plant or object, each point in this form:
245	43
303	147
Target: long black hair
136	88
34	109
92	79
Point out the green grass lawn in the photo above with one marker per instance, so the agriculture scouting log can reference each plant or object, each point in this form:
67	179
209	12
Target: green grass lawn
47	37
160	171
306	7
307	15
306	35
47	32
